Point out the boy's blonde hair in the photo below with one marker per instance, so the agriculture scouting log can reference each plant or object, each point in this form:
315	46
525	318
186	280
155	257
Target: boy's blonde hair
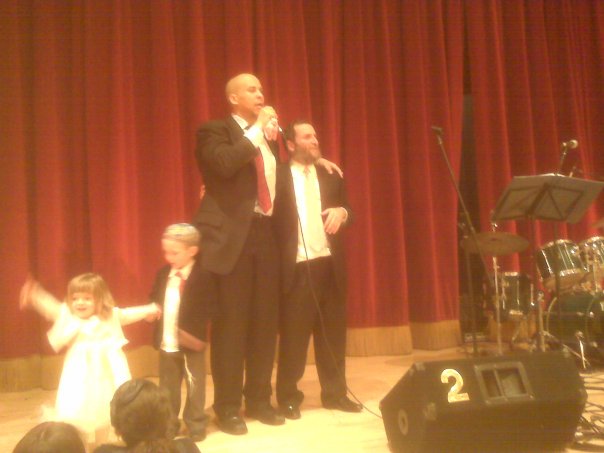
184	233
95	285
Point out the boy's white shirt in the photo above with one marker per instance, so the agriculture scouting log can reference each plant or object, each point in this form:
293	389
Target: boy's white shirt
169	341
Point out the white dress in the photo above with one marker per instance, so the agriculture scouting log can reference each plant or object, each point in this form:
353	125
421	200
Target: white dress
95	364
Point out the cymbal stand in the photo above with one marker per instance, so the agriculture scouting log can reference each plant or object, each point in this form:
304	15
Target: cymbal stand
537	298
464	229
538	301
498	297
525	317
557	268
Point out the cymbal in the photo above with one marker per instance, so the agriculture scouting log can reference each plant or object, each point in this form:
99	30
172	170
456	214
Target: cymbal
495	243
598	224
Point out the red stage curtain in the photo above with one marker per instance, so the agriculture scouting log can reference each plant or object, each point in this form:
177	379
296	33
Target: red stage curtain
536	71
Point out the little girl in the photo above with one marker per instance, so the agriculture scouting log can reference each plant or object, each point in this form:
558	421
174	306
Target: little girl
89	327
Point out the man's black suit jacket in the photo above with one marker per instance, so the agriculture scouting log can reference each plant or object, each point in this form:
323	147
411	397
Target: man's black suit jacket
333	194
226	161
197	302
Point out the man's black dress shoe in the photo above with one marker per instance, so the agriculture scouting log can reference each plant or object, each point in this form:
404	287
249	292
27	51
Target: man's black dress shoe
343	404
265	413
231	423
290	411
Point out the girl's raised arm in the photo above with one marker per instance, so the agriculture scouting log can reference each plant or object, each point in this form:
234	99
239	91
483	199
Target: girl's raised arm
33	295
128	315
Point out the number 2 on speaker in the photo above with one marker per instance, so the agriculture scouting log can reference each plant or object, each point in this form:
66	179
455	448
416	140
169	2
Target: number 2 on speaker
454	395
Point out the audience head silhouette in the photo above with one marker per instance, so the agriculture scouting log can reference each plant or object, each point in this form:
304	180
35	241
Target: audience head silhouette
51	437
141	414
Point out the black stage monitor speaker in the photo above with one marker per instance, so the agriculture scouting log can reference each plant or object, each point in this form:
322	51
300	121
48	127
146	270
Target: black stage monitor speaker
521	402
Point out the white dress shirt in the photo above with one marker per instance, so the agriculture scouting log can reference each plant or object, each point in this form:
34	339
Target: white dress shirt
312	240
169	341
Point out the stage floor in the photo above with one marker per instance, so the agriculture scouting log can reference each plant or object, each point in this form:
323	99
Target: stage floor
318	431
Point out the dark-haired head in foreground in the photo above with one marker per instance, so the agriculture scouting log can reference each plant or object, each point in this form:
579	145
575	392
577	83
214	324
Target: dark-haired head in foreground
51	437
141	415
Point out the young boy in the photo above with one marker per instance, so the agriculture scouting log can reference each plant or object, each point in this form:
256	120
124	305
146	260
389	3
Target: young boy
186	294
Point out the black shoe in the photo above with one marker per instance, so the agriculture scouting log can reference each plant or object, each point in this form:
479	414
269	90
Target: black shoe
198	436
343	404
290	411
231	423
265	413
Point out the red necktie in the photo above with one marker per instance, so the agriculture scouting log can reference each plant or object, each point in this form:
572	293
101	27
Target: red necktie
181	286
264	196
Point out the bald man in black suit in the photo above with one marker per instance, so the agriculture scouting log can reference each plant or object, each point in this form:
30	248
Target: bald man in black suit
237	158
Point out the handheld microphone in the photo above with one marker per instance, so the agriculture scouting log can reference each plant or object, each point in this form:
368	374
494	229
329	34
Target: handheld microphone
571	144
439	134
438	130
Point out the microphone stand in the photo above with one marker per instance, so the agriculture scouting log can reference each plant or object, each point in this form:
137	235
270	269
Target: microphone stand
465	231
470	228
563	152
557	262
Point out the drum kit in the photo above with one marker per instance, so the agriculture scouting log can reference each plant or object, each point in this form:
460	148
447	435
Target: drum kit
563	265
572	273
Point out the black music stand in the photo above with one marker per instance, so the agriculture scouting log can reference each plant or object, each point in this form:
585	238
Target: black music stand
546	197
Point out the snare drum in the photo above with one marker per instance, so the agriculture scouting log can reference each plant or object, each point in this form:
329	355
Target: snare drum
515	289
592	251
562	257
